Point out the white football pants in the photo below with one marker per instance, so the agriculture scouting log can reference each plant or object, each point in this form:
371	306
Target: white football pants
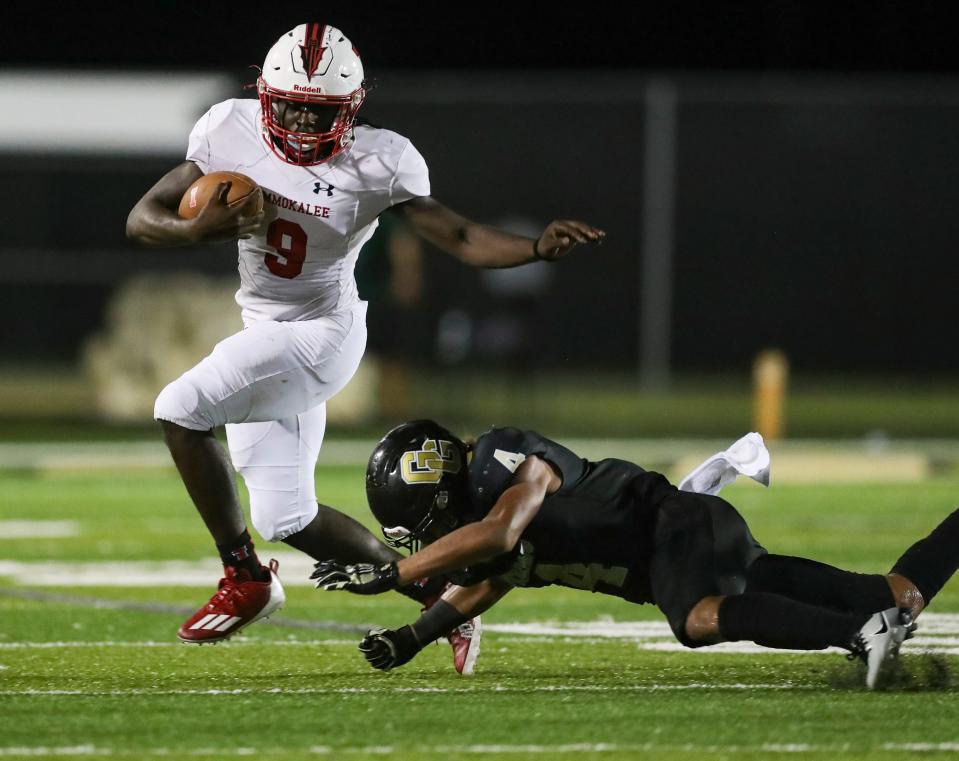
269	384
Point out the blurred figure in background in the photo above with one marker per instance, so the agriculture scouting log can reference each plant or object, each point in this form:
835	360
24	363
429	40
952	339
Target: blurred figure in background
389	276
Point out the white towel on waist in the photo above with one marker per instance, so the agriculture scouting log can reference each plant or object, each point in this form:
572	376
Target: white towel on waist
747	457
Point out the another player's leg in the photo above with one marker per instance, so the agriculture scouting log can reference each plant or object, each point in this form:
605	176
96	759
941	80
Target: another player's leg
248	590
277	460
266	371
333	534
927	565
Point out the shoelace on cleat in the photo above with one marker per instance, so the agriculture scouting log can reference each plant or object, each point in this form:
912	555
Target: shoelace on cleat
228	589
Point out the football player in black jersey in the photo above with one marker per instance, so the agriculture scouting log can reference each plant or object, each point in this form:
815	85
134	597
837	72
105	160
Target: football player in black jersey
524	511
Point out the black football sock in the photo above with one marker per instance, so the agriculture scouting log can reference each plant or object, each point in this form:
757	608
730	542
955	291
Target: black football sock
774	621
437	622
240	554
333	535
819	584
932	561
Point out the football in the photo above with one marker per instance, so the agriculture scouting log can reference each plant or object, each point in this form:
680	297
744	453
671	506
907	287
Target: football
243	192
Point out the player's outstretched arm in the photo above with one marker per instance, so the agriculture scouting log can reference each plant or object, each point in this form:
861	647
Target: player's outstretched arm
154	220
473	543
386	649
484	246
496	534
475	599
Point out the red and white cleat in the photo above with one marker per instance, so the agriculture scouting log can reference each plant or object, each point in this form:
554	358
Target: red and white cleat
237	604
465	640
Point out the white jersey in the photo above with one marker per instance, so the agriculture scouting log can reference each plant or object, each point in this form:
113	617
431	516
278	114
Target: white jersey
299	266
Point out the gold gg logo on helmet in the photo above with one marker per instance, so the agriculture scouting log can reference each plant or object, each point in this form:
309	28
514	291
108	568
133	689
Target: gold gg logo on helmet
427	465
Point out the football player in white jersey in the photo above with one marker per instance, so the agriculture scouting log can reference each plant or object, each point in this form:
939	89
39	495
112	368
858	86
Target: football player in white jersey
325	180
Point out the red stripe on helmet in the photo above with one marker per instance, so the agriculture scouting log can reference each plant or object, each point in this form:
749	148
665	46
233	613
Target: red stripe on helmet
312	49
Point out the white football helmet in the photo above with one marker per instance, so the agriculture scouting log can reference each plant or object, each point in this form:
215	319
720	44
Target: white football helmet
315	69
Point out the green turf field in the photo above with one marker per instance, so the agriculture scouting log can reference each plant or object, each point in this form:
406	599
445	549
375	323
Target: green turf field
89	665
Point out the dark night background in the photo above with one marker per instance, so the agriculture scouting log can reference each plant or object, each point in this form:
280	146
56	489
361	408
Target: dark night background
818	146
820	36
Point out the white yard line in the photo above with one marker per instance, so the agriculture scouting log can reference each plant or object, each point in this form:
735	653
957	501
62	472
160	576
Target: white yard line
800	461
656	635
485	689
481	749
295	570
940	636
150	644
923	747
38	529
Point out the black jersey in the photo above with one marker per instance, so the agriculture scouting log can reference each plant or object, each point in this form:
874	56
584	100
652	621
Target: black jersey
593	533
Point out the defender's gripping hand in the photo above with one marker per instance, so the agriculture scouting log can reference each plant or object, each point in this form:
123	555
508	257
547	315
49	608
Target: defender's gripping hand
385	649
359	578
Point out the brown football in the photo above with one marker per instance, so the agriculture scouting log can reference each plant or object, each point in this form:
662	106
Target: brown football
243	192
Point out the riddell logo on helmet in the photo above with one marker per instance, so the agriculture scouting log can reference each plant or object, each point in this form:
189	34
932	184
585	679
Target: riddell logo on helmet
317	90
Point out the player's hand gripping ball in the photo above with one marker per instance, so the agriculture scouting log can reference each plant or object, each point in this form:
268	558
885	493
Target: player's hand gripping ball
243	192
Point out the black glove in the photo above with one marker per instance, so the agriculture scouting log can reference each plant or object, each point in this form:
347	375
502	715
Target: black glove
360	578
386	649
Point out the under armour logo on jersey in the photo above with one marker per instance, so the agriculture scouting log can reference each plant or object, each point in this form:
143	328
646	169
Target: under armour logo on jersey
312	52
318	187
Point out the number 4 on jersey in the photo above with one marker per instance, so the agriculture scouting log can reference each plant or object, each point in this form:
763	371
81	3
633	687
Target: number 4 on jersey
509	460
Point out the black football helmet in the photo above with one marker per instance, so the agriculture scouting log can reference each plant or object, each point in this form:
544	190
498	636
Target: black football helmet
416	483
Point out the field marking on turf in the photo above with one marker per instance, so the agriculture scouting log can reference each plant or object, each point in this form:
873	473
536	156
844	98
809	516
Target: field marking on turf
96	603
150	644
927	645
921	747
484	689
38	529
938	631
478	748
656	635
296	569
648	635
